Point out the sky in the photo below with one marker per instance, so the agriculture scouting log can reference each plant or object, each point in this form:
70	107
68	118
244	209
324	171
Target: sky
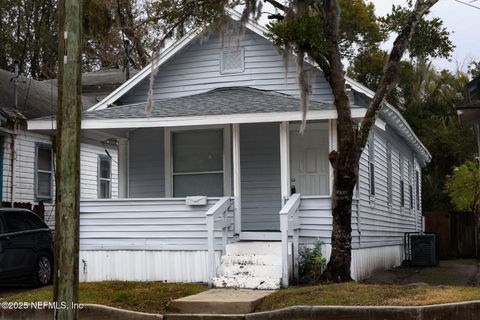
460	19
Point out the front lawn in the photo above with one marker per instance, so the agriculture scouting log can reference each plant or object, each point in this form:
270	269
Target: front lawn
152	297
357	294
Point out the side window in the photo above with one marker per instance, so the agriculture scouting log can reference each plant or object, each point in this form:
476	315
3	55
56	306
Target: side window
43	172
104	177
402	182
389	174
371	163
417	189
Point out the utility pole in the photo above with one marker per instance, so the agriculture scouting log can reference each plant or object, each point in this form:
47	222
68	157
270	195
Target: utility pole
67	208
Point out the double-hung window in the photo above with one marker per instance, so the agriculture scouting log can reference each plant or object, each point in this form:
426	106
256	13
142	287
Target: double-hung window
43	172
371	164
402	181
417	189
104	177
198	163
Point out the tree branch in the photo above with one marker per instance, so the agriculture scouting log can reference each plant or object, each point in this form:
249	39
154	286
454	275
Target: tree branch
390	71
277	5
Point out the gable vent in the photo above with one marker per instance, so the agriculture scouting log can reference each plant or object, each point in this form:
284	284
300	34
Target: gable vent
232	60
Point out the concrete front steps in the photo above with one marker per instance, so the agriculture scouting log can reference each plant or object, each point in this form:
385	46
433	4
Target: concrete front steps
251	265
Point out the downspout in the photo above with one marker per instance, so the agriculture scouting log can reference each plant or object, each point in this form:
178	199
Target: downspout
13	172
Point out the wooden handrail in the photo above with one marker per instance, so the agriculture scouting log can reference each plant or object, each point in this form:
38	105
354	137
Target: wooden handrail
219	208
290	208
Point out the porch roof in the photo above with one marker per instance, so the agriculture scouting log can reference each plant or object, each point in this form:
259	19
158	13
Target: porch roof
220	101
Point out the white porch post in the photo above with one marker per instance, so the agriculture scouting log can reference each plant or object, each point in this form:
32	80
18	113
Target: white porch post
285	160
123	168
237	186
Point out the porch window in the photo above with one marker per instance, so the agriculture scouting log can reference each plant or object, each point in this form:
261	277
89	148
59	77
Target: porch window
197	163
104	177
43	172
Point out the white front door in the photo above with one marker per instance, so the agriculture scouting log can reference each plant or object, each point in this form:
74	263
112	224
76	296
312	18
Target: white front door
309	165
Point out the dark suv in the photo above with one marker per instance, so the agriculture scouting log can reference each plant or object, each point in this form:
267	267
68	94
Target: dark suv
26	248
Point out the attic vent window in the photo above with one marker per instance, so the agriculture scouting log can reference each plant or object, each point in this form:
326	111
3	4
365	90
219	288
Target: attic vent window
232	60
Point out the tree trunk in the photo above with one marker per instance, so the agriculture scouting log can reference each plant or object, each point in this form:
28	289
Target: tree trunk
67	209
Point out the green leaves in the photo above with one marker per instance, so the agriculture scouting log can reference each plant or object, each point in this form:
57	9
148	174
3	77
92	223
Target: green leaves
463	187
430	39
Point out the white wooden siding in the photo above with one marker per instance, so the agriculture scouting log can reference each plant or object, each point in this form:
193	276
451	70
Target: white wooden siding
147	163
196	69
144	224
260	176
381	224
25	142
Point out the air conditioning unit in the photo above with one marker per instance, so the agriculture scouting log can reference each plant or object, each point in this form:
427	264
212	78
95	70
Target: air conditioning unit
421	249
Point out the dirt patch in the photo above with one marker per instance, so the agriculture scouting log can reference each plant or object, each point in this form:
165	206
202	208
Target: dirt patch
448	273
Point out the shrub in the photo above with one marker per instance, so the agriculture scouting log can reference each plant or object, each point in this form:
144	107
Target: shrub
311	263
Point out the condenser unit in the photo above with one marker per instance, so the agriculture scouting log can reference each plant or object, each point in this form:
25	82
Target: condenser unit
421	249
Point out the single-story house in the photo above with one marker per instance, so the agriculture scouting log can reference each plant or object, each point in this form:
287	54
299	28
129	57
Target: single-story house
27	157
216	184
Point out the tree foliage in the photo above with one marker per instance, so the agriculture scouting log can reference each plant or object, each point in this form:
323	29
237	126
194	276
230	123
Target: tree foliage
463	187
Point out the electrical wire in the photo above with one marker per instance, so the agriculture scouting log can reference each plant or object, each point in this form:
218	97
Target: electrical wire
468	3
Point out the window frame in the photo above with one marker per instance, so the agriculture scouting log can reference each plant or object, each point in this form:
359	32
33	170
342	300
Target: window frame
402	180
37	196
417	189
389	175
99	176
227	156
371	166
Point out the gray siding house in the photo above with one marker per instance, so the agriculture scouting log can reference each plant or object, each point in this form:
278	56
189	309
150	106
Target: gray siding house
217	185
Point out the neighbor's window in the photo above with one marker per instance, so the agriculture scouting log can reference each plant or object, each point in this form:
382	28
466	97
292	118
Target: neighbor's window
104	177
371	161
43	172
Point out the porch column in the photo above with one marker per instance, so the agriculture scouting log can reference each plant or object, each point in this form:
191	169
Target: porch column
123	168
237	186
285	160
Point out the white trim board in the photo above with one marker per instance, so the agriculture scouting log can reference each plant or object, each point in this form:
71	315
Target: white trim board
42	124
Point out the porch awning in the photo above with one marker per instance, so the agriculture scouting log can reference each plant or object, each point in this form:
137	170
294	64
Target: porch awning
218	106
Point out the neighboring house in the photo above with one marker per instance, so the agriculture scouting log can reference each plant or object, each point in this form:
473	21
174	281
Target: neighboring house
28	158
469	114
224	125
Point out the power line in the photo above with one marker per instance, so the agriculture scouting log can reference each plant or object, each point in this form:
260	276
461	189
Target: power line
468	3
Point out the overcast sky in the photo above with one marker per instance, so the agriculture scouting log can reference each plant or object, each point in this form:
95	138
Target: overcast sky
462	20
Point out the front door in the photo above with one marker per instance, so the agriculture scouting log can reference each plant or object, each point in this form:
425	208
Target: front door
309	165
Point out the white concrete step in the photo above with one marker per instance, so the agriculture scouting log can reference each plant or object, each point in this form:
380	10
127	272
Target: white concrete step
262	260
255	271
255	248
247	283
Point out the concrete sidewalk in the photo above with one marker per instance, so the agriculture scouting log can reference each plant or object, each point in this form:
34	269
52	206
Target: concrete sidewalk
219	301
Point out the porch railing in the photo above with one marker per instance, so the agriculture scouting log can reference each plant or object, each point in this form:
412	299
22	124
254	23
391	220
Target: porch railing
290	224
216	219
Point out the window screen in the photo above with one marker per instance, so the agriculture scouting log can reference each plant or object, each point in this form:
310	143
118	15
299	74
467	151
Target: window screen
44	172
232	60
197	163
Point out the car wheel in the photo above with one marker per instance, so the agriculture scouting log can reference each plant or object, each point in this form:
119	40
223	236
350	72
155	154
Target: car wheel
43	270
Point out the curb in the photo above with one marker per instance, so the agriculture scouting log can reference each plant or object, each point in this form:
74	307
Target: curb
462	310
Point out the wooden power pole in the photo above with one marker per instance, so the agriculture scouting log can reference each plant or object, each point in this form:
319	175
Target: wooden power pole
67	209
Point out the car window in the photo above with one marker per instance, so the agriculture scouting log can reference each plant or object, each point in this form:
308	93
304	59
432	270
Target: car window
21	221
3	226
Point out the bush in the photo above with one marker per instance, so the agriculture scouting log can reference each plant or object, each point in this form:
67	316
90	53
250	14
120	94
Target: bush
311	263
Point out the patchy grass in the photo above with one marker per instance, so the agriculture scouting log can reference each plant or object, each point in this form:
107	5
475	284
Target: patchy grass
152	297
356	294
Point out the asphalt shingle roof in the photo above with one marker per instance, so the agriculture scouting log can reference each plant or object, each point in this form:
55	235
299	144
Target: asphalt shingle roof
221	101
